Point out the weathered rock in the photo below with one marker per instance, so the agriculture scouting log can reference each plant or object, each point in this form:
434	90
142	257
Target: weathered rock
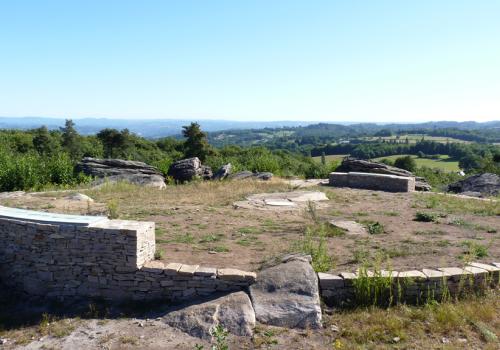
483	184
366	166
249	175
113	170
80	197
234	312
287	295
223	172
206	172
186	169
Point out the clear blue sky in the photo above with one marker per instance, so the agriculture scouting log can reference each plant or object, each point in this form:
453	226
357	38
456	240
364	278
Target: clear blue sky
327	60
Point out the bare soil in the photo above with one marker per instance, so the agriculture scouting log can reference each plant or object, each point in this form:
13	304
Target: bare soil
198	224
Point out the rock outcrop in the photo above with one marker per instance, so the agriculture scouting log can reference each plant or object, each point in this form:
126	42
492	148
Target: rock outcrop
186	169
114	170
486	184
234	312
242	175
287	295
365	166
223	172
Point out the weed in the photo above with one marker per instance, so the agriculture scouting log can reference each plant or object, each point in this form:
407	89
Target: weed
248	230
426	217
373	227
209	238
186	238
219	335
314	244
433	232
113	209
219	249
125	339
311	212
159	253
474	250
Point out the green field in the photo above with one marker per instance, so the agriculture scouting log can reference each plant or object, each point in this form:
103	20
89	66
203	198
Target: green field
331	158
444	162
414	138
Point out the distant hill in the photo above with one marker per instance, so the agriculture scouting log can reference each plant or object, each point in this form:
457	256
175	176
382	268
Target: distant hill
150	128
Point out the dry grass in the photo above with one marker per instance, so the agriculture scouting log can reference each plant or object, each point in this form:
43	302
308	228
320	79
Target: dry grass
132	198
471	323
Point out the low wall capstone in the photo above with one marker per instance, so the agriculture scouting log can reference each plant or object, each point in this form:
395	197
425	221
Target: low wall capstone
414	286
370	181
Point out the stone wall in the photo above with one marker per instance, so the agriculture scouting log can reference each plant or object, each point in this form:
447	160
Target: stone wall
368	181
413	286
110	259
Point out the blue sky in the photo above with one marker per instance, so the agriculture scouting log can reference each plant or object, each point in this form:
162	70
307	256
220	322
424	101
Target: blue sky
402	61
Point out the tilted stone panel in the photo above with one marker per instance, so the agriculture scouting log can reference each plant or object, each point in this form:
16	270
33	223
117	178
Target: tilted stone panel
368	181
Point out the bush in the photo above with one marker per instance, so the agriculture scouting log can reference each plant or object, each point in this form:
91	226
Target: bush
406	163
426	217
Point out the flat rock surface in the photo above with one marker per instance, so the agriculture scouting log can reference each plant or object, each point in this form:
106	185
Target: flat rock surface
351	227
233	311
286	200
299	183
287	295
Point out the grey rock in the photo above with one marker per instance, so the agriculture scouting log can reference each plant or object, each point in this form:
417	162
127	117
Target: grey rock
223	172
186	169
234	312
366	166
80	197
206	172
486	184
113	170
249	175
287	295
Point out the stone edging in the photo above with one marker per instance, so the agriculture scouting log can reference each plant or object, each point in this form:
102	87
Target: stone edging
412	286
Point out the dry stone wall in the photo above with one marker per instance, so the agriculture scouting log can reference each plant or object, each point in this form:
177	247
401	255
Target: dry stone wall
110	259
368	181
414	286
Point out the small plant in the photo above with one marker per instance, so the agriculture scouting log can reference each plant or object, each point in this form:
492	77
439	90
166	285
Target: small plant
474	250
314	244
210	238
311	212
374	227
159	254
219	335
426	217
113	209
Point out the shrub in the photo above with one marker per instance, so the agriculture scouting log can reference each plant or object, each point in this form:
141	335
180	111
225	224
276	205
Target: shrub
406	163
426	217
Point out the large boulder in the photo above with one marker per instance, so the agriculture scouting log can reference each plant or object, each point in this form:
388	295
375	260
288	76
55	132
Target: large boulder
223	172
287	295
186	169
486	184
113	170
366	166
234	312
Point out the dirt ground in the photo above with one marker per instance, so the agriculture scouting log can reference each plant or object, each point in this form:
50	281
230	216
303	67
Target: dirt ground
198	224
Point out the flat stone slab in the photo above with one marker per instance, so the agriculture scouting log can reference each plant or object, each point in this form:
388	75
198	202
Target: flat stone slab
281	200
299	183
287	295
49	218
351	227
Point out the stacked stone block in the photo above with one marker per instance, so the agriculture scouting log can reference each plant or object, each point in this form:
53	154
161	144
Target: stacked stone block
110	259
370	181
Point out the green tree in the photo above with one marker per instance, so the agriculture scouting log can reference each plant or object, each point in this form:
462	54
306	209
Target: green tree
116	143
407	163
43	142
196	144
71	140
